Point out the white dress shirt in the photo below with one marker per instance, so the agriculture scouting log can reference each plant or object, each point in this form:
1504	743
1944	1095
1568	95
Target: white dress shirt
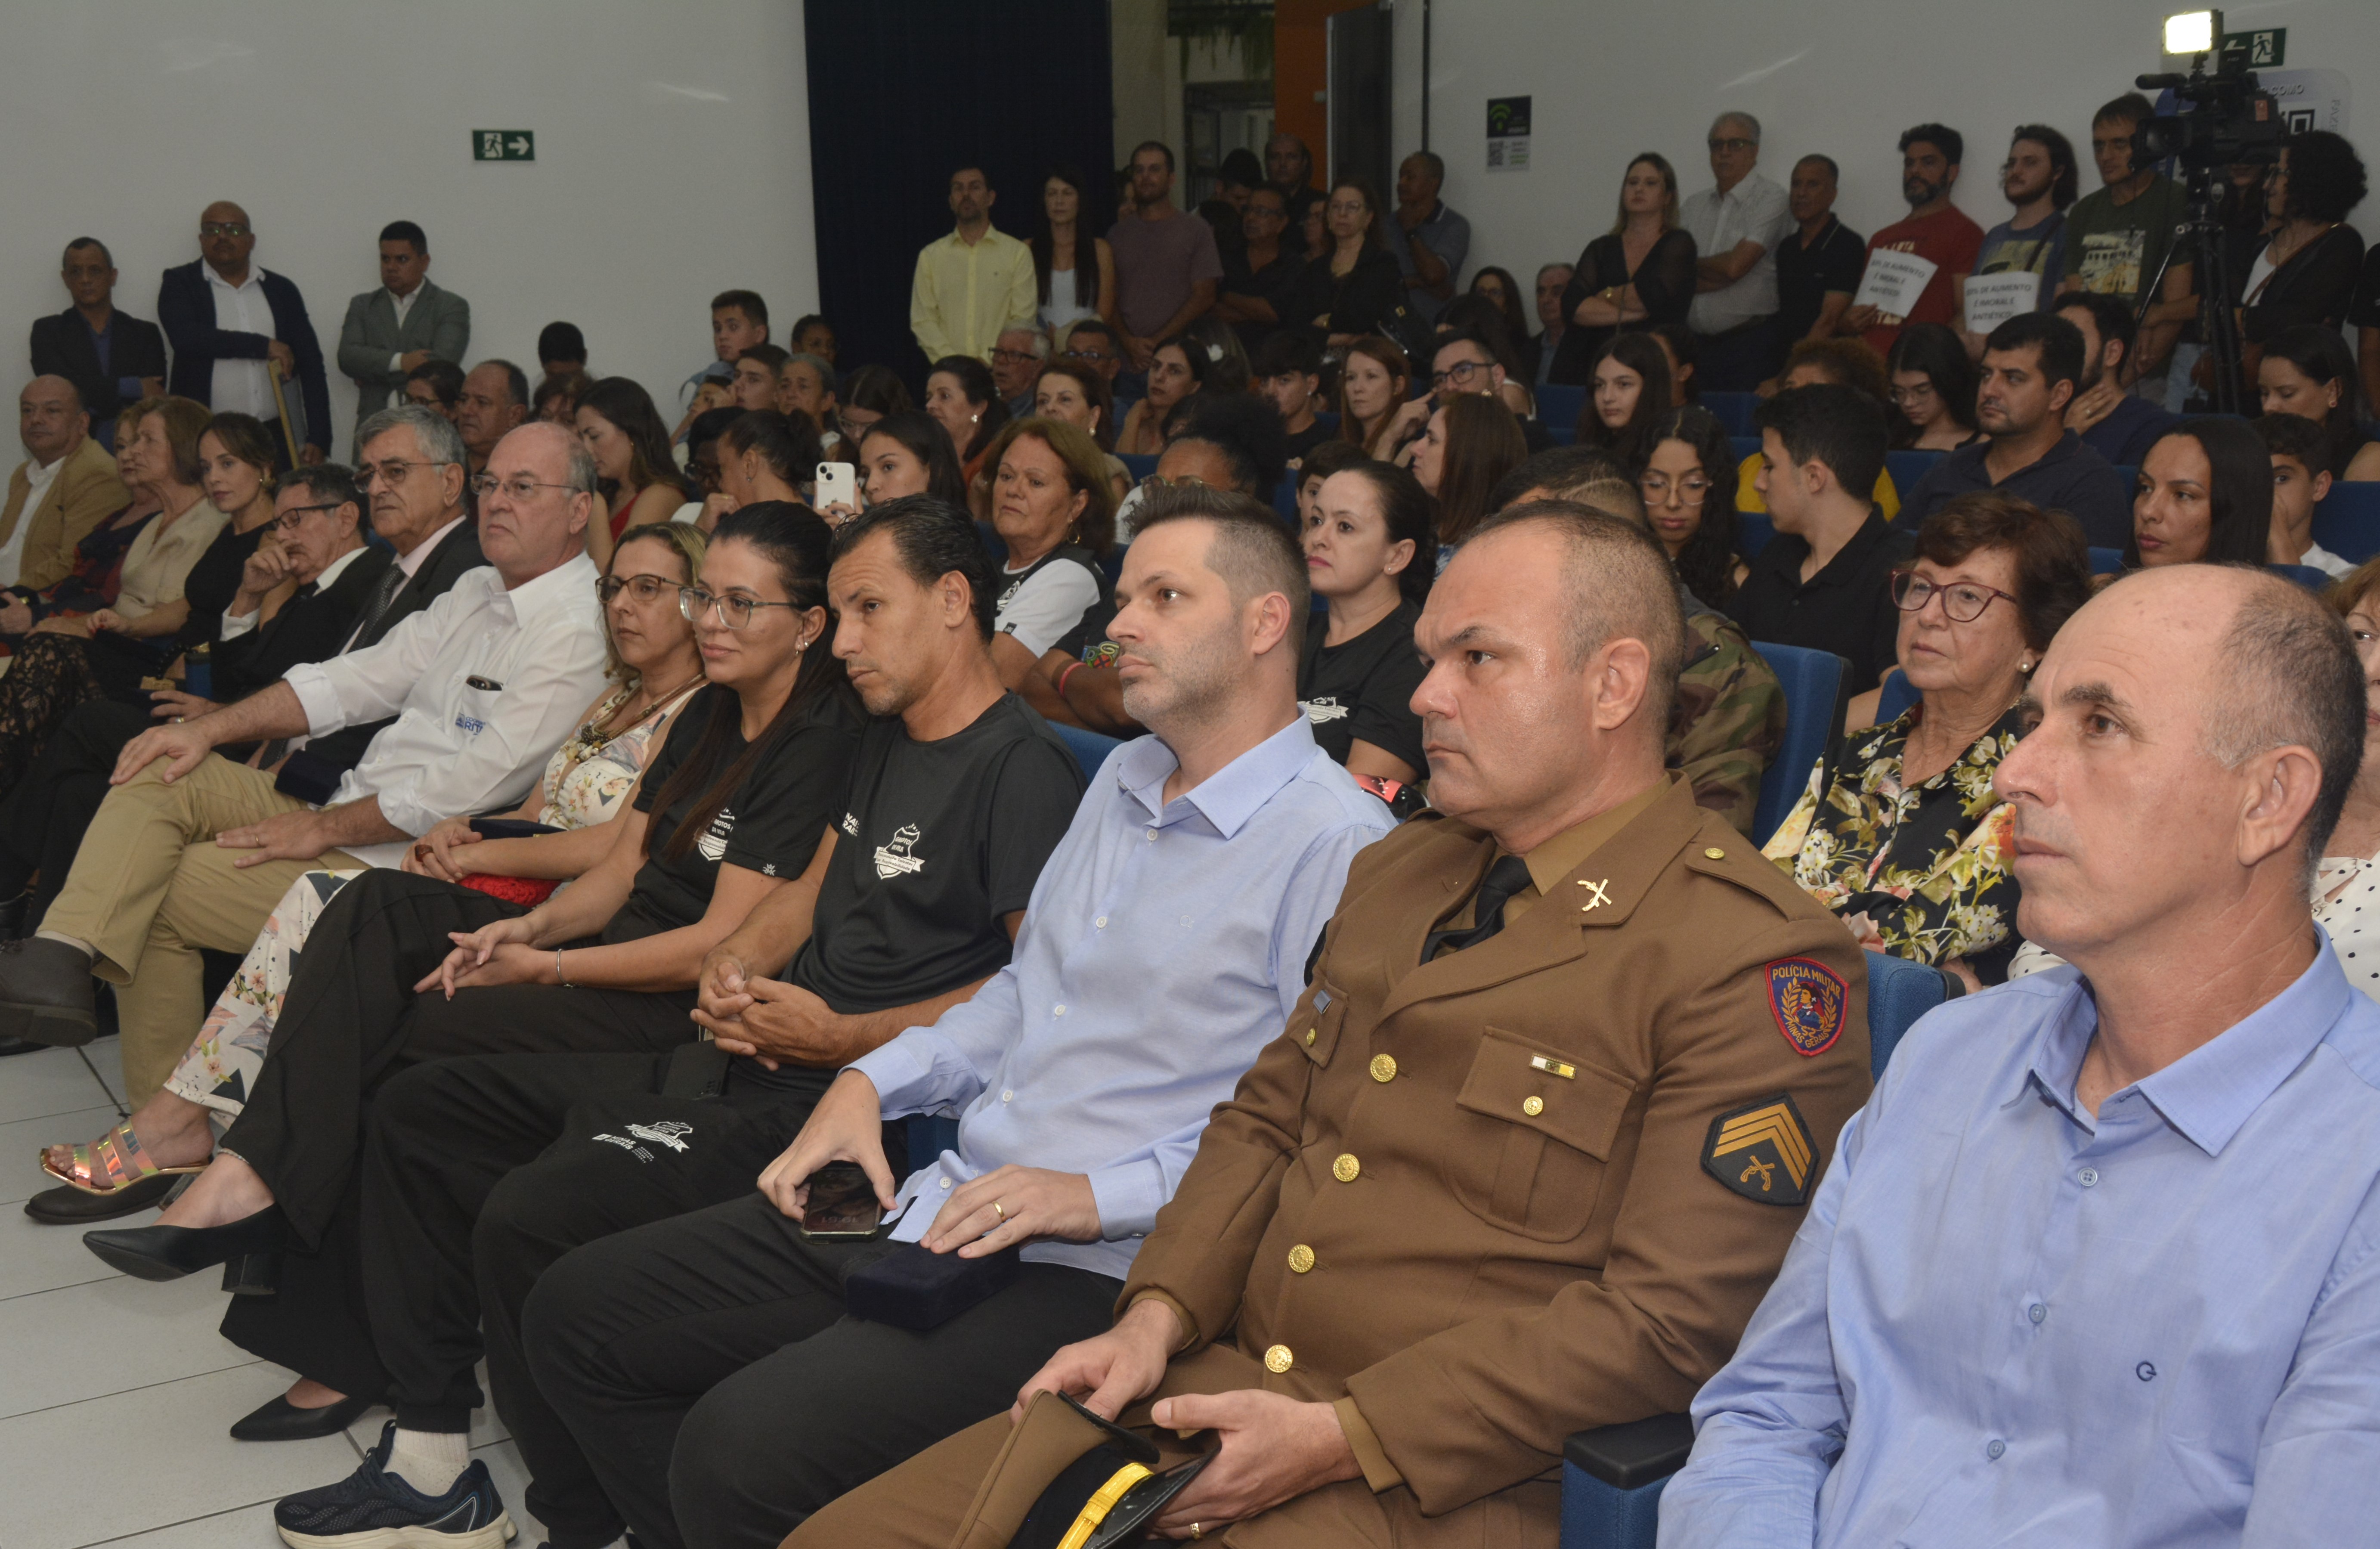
484	684
39	477
1753	211
242	386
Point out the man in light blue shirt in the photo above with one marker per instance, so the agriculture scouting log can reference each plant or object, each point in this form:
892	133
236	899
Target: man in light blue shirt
1165	944
2099	1264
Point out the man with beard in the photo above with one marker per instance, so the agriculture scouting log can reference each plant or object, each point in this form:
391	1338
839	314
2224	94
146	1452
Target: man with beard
2117	425
1936	231
2040	181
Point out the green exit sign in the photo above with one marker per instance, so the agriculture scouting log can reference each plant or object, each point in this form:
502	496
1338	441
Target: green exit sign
503	145
2266	47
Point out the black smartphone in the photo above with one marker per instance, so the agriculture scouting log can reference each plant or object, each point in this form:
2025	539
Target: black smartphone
841	1203
510	828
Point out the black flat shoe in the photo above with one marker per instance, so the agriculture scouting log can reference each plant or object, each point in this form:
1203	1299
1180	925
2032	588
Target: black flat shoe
45	992
248	1249
278	1419
66	1206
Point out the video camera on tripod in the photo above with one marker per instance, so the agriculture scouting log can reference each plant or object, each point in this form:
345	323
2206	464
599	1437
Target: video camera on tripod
2229	121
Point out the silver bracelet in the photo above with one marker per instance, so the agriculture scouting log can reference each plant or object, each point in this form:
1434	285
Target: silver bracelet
557	972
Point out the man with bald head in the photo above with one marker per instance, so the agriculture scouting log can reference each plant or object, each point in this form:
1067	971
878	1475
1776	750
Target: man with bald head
2096	1266
66	486
191	851
1533	1140
231	322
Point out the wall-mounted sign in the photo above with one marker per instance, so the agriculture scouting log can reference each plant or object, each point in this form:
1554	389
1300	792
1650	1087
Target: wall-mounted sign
2267	47
1508	134
503	145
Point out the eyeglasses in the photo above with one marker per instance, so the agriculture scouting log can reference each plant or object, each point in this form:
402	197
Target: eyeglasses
1962	601
393	472
703	472
1460	373
1655	487
287	520
1013	357
733	611
520	486
222	228
644	588
1735	144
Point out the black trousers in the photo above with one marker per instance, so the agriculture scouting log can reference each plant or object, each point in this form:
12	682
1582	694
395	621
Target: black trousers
708	1371
350	1021
479	1173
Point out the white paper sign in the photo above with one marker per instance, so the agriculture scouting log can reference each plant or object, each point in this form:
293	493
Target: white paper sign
1992	299
1894	282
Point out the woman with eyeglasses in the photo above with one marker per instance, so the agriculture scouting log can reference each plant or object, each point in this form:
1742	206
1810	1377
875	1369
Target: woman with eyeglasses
178	575
1905	839
1353	288
407	968
639	473
1176	370
1933	390
870	394
1684	485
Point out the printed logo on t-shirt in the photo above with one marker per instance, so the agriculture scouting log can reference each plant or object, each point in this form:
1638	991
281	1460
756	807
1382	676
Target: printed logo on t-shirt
2111	260
669	1132
894	860
712	846
1008	596
1324	707
850	827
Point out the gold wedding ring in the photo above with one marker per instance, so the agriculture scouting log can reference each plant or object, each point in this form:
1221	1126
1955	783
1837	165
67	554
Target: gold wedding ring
1196	1531
998	1211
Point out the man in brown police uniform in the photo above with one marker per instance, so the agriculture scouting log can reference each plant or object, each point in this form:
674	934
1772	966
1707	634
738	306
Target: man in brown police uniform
1536	1140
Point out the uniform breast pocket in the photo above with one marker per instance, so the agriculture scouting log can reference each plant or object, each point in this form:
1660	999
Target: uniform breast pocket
1320	1032
1536	1128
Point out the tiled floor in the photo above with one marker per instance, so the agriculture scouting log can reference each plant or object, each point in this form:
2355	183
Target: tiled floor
115	1395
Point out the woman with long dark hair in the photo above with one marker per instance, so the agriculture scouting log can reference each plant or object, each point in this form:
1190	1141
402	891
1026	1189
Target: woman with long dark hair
1371	556
1470	443
1499	290
1933	390
909	453
1070	282
1352	289
1177	368
870	394
1628	400
640	481
406	969
1686	484
2306	371
1639	273
2205	496
962	399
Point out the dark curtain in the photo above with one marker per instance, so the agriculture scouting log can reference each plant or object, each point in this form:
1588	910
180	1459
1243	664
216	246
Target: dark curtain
903	92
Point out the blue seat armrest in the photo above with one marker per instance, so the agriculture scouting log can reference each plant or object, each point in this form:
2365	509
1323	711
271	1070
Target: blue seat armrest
1635	1453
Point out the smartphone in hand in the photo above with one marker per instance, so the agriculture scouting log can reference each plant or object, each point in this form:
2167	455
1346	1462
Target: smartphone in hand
837	485
843	1204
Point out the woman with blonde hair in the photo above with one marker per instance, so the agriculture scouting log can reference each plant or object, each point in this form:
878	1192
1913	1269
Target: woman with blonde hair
1639	274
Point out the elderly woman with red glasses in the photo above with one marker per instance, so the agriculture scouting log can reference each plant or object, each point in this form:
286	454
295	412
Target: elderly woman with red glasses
1903	837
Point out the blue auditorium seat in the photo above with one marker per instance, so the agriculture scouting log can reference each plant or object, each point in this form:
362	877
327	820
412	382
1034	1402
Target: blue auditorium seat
2106	562
2348	522
1814	697
1754	529
1896	698
1140	465
1732	411
1089	748
1907	468
1559	406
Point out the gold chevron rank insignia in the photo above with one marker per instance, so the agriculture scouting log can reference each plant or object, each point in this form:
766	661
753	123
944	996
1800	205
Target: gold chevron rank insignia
1763	1151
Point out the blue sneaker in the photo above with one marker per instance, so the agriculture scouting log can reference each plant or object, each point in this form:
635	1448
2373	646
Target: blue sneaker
372	1508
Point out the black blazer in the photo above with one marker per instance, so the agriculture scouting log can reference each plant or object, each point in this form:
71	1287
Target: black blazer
187	307
310	629
456	553
1356	302
61	346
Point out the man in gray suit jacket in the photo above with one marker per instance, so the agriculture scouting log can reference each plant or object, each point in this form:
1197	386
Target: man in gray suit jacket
390	331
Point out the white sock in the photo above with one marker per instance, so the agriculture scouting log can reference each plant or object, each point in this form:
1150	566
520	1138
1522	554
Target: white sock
429	1460
81	946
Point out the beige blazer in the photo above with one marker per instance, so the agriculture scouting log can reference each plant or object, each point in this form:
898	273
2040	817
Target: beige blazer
158	562
85	493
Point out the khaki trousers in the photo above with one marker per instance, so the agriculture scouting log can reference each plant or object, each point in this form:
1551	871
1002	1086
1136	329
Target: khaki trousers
150	888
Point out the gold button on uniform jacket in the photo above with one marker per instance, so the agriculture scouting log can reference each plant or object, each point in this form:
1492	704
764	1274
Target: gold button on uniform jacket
1529	1187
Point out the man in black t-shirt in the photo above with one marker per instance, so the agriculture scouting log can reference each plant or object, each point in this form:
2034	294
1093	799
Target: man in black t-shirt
1820	262
479	1173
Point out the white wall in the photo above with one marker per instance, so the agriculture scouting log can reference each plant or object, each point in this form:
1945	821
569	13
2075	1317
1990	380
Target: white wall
1842	77
672	159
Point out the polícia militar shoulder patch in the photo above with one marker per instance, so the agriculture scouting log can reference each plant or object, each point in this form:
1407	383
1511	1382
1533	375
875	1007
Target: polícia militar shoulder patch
1808	1000
1763	1150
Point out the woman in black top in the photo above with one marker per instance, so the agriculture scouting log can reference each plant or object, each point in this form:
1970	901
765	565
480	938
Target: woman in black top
1354	289
1933	390
1688	484
1627	400
1370	556
2305	271
1640	273
401	968
2306	371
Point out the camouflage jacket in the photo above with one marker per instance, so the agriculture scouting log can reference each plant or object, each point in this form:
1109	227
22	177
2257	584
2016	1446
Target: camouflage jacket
1729	719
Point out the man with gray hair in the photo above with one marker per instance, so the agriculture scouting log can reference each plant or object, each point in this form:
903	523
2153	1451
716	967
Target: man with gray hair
1016	358
1447	1219
190	853
1431	240
2097	1259
1736	224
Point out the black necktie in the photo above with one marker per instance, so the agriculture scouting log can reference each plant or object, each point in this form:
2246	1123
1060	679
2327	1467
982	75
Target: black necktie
382	595
1505	878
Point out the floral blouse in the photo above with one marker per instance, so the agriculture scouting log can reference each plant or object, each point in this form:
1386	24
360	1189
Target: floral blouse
1927	864
589	772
